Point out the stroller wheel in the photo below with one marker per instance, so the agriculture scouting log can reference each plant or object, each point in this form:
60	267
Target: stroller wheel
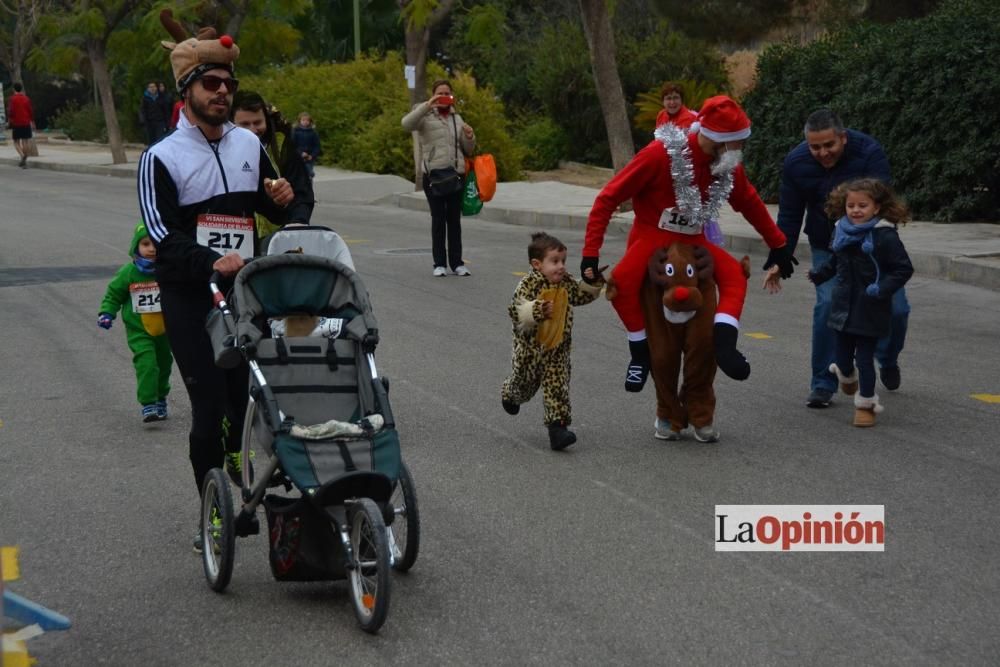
369	574
218	535
405	528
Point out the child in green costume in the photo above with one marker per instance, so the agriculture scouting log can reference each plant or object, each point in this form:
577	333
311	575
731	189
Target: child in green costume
134	291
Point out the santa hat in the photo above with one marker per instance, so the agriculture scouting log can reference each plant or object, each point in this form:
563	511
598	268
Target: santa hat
192	57
721	119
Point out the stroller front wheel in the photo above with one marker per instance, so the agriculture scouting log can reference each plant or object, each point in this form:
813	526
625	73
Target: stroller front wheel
369	573
218	536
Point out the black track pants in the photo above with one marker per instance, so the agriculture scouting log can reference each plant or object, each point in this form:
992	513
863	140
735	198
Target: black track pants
213	392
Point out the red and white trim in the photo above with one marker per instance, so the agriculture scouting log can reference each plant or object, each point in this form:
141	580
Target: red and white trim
722	137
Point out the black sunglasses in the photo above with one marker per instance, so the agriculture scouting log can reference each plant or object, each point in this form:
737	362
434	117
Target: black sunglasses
212	83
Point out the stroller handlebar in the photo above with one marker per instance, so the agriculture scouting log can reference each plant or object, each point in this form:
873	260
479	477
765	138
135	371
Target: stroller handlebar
218	298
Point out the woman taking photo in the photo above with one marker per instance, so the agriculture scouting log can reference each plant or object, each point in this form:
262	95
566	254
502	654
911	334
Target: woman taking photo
445	140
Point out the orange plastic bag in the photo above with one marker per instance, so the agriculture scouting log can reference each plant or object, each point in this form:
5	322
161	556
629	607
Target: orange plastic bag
486	176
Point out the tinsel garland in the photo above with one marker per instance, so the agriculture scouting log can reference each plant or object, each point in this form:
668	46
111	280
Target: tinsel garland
686	192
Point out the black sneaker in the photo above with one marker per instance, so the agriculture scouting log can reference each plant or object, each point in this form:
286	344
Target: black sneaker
509	407
560	437
889	375
819	398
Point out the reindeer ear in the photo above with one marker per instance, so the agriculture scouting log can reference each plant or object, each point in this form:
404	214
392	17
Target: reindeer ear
175	29
207	32
169	46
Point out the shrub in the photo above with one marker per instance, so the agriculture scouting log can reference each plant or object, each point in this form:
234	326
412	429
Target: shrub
907	85
544	142
357	107
81	123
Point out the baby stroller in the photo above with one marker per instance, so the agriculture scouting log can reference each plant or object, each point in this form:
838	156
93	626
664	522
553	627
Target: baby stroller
319	414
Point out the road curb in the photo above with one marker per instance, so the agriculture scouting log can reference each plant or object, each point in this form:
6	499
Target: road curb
128	170
976	271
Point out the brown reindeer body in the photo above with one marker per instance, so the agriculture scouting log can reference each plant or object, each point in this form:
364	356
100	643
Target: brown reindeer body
680	311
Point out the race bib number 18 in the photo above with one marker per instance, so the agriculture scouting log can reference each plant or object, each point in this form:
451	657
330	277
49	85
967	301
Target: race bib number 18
673	221
145	297
226	233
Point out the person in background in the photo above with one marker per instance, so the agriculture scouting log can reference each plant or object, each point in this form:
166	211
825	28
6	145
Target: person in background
21	118
445	141
166	100
306	140
151	114
674	111
250	111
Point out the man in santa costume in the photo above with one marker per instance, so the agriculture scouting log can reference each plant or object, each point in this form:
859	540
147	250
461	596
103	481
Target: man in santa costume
677	185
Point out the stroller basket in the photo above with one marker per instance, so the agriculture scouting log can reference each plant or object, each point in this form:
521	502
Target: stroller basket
302	544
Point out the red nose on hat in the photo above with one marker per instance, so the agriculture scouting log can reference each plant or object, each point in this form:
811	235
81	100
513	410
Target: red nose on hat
681	293
226	41
721	119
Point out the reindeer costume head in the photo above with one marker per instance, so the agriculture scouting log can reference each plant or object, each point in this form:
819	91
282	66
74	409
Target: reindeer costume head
192	57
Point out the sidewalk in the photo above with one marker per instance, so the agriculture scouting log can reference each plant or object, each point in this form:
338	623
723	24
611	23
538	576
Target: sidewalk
963	252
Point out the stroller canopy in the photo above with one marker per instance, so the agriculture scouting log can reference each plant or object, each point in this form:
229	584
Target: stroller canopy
288	284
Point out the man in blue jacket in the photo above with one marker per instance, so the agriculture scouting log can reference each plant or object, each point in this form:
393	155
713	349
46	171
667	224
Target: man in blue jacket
829	156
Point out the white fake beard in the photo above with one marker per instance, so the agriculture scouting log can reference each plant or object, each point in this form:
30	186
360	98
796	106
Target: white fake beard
727	162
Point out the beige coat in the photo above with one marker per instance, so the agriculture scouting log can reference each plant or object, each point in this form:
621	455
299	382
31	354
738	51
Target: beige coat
437	137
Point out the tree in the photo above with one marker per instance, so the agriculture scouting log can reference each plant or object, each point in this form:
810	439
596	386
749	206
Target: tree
229	17
18	32
421	17
601	42
78	30
328	28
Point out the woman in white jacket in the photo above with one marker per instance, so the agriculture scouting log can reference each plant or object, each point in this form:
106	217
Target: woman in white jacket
445	140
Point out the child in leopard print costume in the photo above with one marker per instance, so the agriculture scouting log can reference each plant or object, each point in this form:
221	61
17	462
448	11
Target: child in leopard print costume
542	313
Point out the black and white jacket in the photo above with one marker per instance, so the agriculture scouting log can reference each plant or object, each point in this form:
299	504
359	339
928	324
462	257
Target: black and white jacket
183	176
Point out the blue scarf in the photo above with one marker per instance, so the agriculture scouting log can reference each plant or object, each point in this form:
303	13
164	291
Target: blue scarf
144	265
848	234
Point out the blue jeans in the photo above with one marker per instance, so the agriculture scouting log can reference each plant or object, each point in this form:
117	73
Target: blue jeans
824	338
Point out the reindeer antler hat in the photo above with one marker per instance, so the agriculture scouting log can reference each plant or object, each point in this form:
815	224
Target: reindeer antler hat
192	57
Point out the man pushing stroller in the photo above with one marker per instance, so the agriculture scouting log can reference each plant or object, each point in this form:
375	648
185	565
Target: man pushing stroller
205	224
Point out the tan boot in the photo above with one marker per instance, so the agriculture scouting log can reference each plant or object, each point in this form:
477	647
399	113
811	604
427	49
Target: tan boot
865	410
864	417
848	383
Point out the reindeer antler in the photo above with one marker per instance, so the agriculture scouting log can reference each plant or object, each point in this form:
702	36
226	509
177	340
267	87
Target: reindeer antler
175	29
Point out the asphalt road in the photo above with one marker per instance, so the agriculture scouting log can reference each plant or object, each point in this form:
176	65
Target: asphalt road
599	555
